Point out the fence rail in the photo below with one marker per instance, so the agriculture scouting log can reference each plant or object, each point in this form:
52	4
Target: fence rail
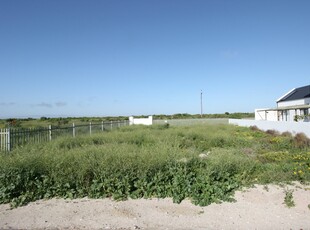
12	138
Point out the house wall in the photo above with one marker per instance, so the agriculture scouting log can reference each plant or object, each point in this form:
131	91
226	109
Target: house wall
286	115
266	115
294	102
141	121
291	115
292	127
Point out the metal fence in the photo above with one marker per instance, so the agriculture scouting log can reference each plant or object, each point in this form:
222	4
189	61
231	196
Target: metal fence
12	138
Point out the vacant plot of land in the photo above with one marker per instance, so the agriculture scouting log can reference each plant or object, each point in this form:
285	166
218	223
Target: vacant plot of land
203	164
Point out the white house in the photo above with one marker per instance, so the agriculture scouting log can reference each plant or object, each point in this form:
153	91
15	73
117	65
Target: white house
292	106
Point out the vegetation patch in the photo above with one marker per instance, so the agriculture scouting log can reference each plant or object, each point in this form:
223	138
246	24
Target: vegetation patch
289	199
205	163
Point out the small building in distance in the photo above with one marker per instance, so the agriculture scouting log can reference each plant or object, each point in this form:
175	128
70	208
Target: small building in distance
292	106
141	121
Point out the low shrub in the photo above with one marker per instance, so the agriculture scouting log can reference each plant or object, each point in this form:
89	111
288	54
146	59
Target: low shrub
254	128
272	132
157	161
287	134
301	140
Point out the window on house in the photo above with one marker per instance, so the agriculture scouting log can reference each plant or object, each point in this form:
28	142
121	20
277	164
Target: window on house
287	115
283	115
306	114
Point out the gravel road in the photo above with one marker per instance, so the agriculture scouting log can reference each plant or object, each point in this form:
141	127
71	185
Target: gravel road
261	207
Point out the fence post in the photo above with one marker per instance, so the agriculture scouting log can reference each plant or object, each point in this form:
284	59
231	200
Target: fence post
119	124
73	130
90	128
102	126
111	125
9	141
50	132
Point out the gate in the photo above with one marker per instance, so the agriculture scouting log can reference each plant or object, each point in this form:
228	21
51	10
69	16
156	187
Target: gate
5	140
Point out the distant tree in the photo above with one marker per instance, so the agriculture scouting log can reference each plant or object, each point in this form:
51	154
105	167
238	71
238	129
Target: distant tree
12	122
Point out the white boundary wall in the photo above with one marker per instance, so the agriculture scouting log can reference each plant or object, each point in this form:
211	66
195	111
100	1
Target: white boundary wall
141	121
280	126
261	114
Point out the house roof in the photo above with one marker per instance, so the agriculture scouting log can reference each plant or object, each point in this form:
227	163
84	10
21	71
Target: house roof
295	94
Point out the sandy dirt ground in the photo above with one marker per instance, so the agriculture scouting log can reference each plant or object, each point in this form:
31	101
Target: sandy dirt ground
255	208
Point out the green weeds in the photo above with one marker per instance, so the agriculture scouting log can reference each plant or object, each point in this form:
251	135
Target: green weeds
289	199
156	161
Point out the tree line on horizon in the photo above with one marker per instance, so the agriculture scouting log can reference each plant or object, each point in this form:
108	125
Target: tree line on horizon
60	121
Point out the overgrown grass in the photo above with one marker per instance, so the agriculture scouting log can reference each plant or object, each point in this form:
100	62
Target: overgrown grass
205	163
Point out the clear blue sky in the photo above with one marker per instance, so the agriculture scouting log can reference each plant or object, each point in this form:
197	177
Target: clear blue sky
121	57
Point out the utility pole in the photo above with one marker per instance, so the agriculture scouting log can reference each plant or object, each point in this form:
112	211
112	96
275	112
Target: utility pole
201	104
